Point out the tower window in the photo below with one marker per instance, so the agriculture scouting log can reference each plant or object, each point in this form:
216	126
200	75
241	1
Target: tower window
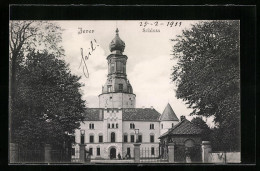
108	125
151	126
113	137
109	88
120	87
112	68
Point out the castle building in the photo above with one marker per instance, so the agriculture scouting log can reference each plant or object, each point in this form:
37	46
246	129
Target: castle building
111	128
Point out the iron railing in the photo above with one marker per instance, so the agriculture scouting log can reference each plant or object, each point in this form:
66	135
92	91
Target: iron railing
149	155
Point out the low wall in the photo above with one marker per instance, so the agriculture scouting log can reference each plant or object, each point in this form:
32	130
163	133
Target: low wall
224	157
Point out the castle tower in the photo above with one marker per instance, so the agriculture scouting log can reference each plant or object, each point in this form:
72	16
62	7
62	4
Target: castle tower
117	91
168	119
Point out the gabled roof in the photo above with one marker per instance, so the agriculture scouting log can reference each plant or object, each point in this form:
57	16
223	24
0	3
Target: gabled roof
129	114
168	114
184	127
140	114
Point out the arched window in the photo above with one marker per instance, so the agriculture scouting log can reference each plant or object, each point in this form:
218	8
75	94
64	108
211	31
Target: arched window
113	137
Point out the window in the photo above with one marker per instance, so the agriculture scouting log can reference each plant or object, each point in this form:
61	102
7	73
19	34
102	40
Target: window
152	151
113	137
91	151
128	150
117	125
172	125
162	126
98	151
109	88
113	125
112	68
91	126
151	138
125	138
73	139
91	138
129	89
82	137
108	125
100	138
132	138
120	87
151	126
139	138
119	66
132	126
73	152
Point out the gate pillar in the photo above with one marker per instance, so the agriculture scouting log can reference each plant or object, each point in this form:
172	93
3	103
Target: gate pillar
137	152
206	149
82	153
47	153
171	152
13	153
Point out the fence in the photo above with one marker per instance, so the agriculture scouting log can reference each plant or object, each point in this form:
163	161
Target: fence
39	155
152	155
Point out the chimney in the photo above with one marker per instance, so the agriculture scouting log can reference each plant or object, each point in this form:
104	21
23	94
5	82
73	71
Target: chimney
182	117
151	107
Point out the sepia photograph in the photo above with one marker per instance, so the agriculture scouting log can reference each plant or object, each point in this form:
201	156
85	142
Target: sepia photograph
124	91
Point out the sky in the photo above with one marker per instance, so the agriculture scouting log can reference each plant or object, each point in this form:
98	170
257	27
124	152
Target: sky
149	61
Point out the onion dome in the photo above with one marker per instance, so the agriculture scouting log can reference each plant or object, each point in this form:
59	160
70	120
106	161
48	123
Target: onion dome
117	43
168	114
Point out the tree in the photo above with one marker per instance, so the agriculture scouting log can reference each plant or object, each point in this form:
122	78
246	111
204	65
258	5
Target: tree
202	125
25	37
48	104
207	75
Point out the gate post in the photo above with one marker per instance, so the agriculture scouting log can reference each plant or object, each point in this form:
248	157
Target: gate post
13	153
171	152
206	149
82	153
137	152
47	153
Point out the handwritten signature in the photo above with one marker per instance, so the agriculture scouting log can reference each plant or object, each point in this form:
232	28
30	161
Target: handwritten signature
93	47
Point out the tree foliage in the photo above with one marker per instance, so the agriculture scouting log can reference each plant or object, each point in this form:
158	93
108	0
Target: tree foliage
202	125
48	103
207	74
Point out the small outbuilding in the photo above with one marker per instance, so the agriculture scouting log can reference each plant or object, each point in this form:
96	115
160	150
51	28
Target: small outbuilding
187	141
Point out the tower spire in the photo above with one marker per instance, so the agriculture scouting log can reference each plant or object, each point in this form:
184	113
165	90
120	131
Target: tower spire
117	31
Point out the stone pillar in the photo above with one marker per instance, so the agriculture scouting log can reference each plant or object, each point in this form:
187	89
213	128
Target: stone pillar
47	153
137	152
82	153
206	149
171	152
13	153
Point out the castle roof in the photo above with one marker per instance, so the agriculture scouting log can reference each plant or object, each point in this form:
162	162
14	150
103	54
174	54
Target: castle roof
129	114
117	43
184	127
168	114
